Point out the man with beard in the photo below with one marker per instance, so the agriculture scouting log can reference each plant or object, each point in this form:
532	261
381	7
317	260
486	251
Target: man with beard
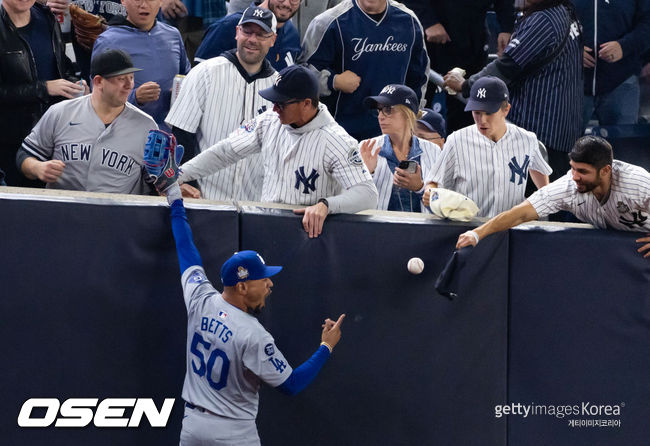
599	190
220	35
218	96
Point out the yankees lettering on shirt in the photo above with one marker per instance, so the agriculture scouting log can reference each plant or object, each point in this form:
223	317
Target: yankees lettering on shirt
102	7
75	152
117	161
362	46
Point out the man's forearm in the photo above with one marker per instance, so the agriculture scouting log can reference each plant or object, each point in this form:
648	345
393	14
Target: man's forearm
519	214
359	197
210	161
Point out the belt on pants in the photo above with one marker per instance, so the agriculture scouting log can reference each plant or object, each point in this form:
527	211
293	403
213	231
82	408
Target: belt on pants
200	409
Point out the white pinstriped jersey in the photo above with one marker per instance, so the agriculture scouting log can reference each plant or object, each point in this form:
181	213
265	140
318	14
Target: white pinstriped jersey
301	164
97	158
383	177
492	174
228	352
627	208
216	98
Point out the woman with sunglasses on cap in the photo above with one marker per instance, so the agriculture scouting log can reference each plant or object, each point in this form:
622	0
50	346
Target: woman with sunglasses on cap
398	160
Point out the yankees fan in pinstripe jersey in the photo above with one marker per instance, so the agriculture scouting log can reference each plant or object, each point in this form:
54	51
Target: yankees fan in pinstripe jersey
308	158
489	162
599	190
218	96
542	66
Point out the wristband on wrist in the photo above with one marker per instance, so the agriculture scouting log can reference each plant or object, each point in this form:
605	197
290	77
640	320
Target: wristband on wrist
324	201
476	237
329	347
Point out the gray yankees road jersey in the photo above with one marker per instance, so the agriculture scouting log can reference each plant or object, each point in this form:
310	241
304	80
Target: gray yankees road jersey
301	165
492	174
97	158
627	208
228	352
215	99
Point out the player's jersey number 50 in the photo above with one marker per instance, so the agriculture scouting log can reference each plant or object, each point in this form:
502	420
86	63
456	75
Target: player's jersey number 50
208	370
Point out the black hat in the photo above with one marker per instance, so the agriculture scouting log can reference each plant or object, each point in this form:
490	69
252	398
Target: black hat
394	94
111	63
293	82
433	121
260	16
487	95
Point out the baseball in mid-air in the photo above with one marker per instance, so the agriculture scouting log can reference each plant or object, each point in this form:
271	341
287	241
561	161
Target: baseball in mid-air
415	265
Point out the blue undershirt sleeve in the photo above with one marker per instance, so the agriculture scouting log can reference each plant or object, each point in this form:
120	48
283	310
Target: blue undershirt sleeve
188	255
302	376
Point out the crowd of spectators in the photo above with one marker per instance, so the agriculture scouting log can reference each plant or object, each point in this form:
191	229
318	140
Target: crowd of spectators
564	64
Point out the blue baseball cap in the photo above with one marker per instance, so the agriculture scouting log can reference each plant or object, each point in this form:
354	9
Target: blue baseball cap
394	94
293	82
487	95
260	16
246	265
433	121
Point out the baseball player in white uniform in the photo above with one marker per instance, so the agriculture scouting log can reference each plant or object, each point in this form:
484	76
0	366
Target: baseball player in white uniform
92	143
308	158
219	95
489	162
599	190
228	351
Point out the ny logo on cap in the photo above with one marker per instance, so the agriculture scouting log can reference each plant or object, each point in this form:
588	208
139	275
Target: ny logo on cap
480	93
407	101
388	90
277	81
258	13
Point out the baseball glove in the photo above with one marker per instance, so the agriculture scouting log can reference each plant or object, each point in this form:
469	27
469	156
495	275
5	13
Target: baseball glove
161	159
87	26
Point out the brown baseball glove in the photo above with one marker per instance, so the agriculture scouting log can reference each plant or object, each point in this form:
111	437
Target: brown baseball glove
87	26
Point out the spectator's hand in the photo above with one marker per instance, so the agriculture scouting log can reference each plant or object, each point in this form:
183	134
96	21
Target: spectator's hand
646	247
465	239
147	92
49	171
437	34
347	82
189	191
369	159
63	87
332	331
588	60
502	43
454	81
173	9
58	6
410	181
426	196
86	87
314	217
611	51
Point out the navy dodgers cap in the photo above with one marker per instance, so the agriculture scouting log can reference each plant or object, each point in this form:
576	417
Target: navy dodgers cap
433	121
111	63
394	94
260	16
487	95
293	82
246	265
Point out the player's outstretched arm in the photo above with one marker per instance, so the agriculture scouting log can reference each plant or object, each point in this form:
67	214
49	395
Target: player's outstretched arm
645	249
539	178
521	213
303	375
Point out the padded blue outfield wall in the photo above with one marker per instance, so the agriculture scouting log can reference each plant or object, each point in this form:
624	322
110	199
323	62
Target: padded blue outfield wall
548	341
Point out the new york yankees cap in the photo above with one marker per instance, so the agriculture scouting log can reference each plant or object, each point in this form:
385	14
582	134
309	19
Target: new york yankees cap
293	82
433	121
246	265
394	94
487	95
111	63
260	16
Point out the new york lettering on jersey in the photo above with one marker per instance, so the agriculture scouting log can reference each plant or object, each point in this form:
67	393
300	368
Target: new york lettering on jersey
118	161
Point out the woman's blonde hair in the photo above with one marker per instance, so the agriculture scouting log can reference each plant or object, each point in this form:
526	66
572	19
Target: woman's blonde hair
411	118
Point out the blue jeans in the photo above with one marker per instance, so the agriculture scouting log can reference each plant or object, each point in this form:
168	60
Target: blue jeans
619	106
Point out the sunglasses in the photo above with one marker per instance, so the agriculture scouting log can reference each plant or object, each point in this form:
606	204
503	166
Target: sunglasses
385	109
282	105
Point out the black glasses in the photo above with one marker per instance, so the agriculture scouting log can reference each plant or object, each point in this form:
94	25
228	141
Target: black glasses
282	105
385	109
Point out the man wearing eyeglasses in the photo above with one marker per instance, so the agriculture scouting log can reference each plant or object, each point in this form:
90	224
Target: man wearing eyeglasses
308	158
220	35
218	96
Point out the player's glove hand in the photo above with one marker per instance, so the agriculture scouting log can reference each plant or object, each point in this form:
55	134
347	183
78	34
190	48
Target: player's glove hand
161	159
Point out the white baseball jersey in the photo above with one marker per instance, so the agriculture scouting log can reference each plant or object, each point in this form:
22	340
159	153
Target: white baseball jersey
216	97
228	352
627	208
301	164
492	174
98	158
383	177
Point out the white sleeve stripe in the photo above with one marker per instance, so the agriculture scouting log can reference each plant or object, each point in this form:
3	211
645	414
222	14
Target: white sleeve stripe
34	151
